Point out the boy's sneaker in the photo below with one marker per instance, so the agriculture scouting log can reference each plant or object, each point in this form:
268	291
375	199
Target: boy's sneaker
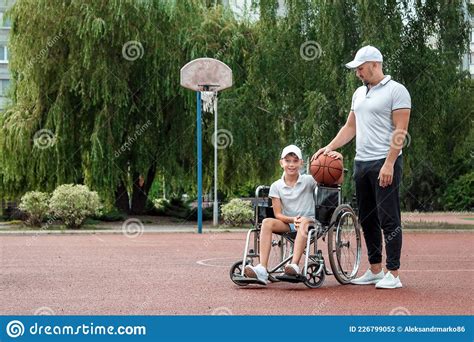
389	282
259	272
292	269
368	278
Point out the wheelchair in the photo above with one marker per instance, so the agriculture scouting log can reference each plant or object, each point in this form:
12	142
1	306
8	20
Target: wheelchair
336	225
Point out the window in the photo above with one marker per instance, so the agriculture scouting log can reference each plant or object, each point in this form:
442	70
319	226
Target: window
4	85
3	53
5	21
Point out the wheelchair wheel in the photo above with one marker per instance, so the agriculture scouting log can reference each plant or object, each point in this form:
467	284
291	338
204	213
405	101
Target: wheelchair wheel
281	249
236	270
344	244
314	275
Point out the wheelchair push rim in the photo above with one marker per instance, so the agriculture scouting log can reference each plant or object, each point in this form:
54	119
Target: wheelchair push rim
344	244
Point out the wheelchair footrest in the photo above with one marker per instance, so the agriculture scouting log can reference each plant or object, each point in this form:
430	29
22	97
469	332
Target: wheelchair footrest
245	280
291	279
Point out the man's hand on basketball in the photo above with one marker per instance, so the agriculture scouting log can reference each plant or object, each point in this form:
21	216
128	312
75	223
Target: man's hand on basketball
386	175
335	155
324	150
328	152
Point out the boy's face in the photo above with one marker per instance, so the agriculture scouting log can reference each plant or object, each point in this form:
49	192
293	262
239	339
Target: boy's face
291	164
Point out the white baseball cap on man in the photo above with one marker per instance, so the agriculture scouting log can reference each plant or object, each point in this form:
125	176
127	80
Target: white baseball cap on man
367	53
291	149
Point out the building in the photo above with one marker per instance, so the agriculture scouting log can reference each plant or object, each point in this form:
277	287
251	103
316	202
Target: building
468	62
4	72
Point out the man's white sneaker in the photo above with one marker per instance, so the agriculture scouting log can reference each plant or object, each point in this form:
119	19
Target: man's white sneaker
389	282
368	278
292	269
259	272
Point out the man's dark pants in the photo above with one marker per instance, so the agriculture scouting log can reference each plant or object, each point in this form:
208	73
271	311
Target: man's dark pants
379	211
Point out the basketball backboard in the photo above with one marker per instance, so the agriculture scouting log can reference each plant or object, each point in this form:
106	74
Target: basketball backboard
206	74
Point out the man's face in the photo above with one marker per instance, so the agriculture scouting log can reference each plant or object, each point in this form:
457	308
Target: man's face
365	72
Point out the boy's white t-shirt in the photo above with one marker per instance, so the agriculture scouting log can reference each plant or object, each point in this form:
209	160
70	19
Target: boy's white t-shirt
297	200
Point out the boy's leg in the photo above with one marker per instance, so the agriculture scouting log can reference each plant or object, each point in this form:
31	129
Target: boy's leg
300	241
269	226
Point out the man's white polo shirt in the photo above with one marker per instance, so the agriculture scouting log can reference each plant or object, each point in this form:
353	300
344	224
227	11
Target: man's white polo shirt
373	112
297	200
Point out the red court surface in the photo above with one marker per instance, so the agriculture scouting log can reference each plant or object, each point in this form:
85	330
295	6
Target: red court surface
157	274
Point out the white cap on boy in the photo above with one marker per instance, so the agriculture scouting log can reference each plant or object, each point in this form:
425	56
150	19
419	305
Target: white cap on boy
291	149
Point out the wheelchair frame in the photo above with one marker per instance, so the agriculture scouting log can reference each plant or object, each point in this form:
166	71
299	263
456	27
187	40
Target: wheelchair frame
315	268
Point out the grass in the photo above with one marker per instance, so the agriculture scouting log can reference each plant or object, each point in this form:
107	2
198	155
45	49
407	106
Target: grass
436	226
19	226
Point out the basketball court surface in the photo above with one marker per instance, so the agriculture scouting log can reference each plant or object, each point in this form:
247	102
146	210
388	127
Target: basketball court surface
188	274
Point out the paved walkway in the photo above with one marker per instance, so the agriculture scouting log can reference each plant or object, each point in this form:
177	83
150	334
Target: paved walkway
149	224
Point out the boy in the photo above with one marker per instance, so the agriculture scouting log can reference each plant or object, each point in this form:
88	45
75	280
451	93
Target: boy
293	206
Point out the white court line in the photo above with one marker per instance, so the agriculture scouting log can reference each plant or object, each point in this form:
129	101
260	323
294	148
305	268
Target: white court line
439	270
204	262
431	255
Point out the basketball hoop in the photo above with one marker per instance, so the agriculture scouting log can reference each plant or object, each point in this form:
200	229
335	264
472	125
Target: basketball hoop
206	76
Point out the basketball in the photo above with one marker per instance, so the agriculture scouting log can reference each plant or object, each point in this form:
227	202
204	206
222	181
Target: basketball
326	170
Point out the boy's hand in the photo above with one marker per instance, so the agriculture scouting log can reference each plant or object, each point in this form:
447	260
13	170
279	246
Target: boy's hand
297	221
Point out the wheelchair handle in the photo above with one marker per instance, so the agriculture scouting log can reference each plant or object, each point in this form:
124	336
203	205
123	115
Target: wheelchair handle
262	188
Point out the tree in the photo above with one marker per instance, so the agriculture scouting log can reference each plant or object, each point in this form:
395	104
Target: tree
99	82
99	86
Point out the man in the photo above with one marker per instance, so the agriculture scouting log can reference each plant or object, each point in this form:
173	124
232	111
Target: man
378	118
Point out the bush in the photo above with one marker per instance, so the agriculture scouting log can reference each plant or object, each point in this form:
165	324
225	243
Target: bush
161	205
206	214
237	212
460	194
176	207
35	204
74	203
113	215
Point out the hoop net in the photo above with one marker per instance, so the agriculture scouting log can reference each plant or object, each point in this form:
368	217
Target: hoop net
208	99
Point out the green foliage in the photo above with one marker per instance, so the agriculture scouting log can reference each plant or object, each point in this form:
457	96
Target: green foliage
237	212
111	119
161	205
35	204
74	203
113	215
176	207
460	194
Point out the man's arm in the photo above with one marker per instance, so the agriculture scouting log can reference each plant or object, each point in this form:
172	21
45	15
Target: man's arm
400	118
345	134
